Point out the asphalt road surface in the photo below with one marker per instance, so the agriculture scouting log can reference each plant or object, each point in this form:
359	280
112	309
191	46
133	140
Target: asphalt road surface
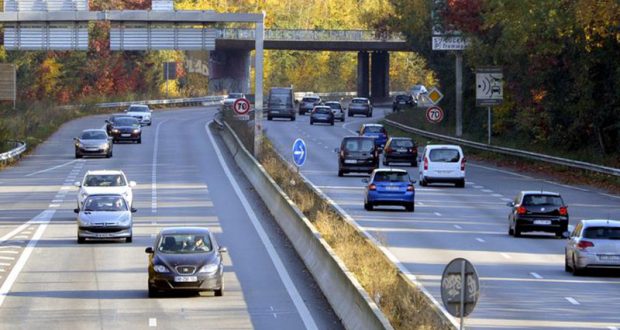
48	281
523	283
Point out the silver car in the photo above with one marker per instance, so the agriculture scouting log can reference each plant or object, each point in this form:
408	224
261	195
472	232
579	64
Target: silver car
93	142
593	244
104	217
336	109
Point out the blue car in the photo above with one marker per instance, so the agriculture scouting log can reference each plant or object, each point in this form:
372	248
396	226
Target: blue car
389	187
376	131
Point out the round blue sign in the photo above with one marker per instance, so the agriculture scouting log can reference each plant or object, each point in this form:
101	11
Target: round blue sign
299	152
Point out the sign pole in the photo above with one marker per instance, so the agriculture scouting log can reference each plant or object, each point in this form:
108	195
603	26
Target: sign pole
459	93
489	125
463	285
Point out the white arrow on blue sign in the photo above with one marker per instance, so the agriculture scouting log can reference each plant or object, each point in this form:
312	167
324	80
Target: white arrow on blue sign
299	152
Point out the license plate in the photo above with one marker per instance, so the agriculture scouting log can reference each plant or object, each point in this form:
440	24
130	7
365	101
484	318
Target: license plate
610	258
350	161
401	102
542	222
125	135
101	235
390	188
274	111
401	150
184	279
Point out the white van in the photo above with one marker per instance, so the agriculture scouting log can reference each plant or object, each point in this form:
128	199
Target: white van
442	163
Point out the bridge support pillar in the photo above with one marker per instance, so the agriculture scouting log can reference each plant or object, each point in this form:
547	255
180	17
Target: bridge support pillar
363	74
380	75
229	71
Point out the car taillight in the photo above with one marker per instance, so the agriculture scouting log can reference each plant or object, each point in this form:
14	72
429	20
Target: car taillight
563	210
388	149
372	186
410	187
342	153
521	210
463	161
425	163
584	245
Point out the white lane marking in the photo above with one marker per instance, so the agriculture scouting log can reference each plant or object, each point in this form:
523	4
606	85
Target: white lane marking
42	219
6	258
458	227
420	203
52	168
479	240
507	199
9	252
152	322
2	270
4	264
506	255
53	206
15	231
154	170
612	328
66	187
304	313
478	187
437	214
566	186
487	190
536	275
10	247
58	200
612	196
497	195
572	300
20	236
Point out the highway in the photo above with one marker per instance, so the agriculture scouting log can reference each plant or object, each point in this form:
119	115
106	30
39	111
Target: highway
523	283
48	281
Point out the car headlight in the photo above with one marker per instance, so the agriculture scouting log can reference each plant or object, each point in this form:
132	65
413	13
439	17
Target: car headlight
115	130
160	269
79	144
104	146
136	131
209	269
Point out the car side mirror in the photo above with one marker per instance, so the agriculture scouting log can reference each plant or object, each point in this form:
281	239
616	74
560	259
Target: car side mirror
107	121
149	250
413	181
132	183
510	204
365	180
336	150
75	139
76	210
223	249
77	184
134	210
358	131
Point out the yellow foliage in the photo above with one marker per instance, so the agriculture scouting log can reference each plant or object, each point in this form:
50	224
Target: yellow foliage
50	71
171	89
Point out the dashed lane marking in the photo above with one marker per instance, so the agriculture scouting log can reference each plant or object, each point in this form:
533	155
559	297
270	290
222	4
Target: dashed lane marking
6	258
572	300
479	240
535	275
438	214
458	227
506	255
51	168
152	322
9	252
487	190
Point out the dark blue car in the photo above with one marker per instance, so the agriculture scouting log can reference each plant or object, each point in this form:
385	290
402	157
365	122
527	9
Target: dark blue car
389	187
376	131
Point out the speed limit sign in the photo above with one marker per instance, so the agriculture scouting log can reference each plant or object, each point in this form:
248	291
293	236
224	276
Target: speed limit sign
241	106
434	114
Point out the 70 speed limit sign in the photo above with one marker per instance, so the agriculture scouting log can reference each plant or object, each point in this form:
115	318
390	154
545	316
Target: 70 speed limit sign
241	106
434	114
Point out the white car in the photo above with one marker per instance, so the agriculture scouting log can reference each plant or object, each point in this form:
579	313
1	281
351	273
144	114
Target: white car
593	244
444	163
105	182
140	112
227	103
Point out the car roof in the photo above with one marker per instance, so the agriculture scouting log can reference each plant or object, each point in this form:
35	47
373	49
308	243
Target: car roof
437	146
93	130
332	102
371	125
104	195
600	222
539	192
104	172
322	107
184	230
398	170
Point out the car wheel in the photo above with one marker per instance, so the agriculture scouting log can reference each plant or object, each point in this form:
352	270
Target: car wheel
423	182
311	122
150	124
108	155
566	268
413	164
517	231
342	120
153	292
368	207
129	239
340	173
219	292
269	118
460	183
81	240
293	118
510	231
369	114
332	123
575	269
350	114
140	141
385	163
78	155
410	207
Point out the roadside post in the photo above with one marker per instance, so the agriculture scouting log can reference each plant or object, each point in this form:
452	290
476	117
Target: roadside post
489	92
460	288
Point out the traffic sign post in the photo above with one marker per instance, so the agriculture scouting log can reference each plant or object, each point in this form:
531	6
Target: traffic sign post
299	152
489	92
460	288
434	114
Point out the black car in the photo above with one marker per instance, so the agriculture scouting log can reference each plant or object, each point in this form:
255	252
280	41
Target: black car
110	122
402	101
538	211
357	154
400	150
322	114
93	142
185	259
126	129
308	103
360	106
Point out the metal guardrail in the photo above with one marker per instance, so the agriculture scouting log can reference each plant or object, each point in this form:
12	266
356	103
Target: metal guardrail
509	151
206	100
311	35
14	153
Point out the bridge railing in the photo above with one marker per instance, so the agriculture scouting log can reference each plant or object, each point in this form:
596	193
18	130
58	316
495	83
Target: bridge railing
18	148
310	35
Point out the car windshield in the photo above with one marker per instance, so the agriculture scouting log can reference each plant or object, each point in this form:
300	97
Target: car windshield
280	99
94	135
359	145
110	180
402	97
602	233
323	110
235	95
334	105
127	121
105	204
374	129
359	101
138	109
402	144
184	243
310	99
391	177
540	199
444	155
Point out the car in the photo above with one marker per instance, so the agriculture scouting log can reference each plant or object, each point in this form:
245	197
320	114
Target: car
97	182
336	109
357	154
402	101
376	131
308	103
416	91
228	102
185	259
537	211
360	106
322	114
105	216
126	129
593	244
401	150
389	187
280	103
109	123
140	112
442	163
93	142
